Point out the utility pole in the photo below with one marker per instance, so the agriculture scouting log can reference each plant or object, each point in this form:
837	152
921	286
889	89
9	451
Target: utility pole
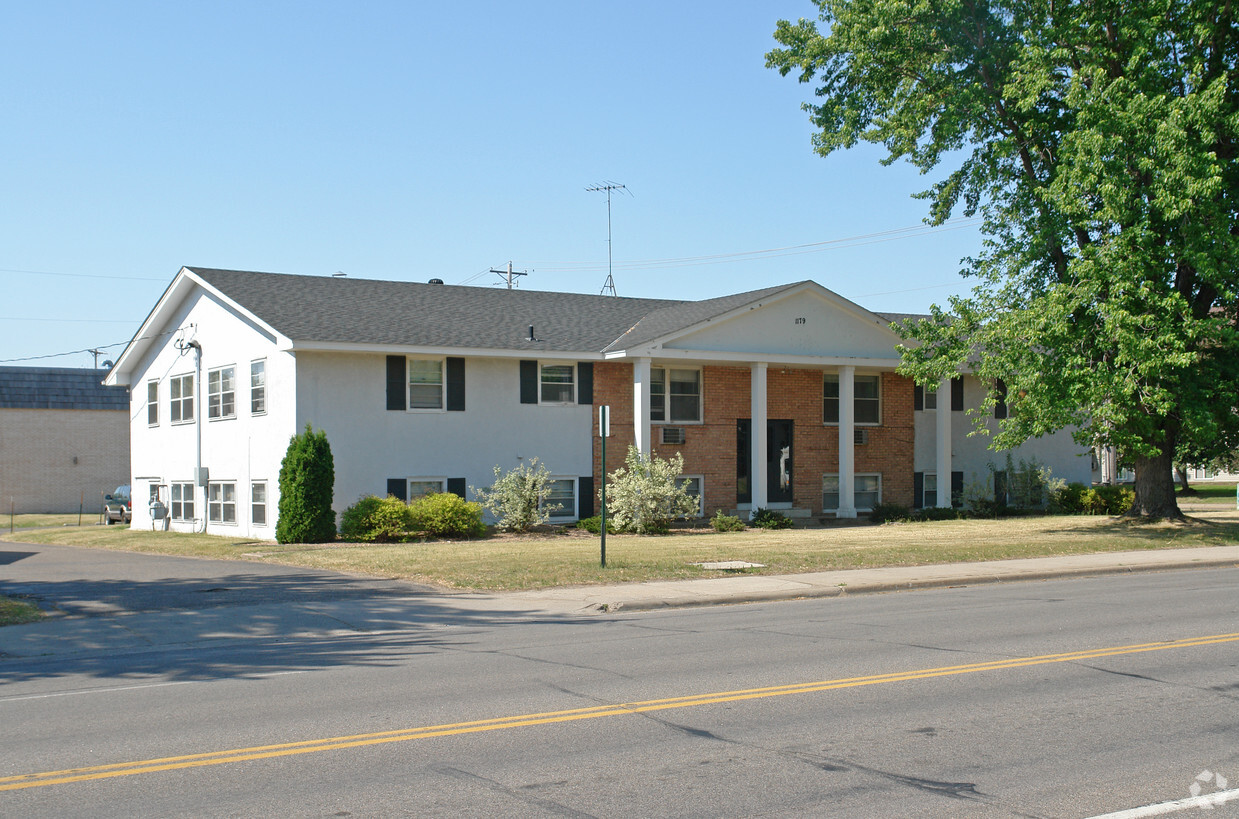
609	285
509	275
96	354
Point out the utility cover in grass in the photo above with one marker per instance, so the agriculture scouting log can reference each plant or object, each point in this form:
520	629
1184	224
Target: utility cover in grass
731	565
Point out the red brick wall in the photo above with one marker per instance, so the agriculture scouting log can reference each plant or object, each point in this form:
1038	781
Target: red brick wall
710	447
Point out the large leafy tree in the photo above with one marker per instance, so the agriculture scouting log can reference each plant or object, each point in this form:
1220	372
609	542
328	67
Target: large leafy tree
1097	139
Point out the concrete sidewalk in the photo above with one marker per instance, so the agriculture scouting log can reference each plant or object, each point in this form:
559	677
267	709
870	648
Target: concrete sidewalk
305	610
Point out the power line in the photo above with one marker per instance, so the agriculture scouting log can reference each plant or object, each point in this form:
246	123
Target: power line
82	275
89	350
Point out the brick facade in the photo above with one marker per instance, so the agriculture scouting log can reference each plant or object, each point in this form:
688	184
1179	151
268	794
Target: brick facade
709	449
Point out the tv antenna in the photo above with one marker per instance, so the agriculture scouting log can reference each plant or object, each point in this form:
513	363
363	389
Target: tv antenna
509	275
609	286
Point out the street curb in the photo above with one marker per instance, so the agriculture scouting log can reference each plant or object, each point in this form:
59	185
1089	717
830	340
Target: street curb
958	581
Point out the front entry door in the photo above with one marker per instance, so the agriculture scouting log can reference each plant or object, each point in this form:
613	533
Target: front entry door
779	453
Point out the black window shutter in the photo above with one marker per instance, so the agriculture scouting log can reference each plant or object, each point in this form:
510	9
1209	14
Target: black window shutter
585	496
456	486
1000	408
585	382
1000	486
957	394
918	397
957	488
455	385
395	383
529	382
398	487
918	490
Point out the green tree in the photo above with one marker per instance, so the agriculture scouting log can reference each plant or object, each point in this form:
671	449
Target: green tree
307	480
1097	141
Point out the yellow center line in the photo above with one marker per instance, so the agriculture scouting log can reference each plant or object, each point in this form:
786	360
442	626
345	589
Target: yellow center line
38	780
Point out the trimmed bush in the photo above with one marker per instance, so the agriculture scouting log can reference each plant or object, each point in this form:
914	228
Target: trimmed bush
376	520
517	498
594	525
307	480
771	519
446	515
936	513
646	494
1069	499
889	513
726	523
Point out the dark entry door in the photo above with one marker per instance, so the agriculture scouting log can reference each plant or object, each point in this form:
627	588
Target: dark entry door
779	455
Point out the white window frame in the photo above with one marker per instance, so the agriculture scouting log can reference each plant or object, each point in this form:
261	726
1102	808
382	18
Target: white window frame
178	404
926	501
258	386
661	403
152	403
222	502
221	402
856	399
569	509
856	491
930	400
701	491
440	482
256	504
441	383
177	508
543	383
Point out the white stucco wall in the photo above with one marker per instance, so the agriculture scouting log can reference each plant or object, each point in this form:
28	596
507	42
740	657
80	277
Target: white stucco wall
970	453
346	396
241	450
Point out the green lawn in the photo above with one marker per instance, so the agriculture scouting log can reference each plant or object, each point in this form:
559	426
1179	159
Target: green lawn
510	563
1220	493
14	612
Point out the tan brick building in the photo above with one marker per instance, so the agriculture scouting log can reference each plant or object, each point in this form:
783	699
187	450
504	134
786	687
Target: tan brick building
64	439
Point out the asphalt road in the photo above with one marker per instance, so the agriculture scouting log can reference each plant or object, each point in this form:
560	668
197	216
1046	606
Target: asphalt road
1058	699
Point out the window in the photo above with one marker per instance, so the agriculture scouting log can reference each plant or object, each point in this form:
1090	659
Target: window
557	384
258	387
181	389
182	501
930	494
258	503
561	502
867	491
694	491
222	503
152	403
420	487
931	398
679	390
425	383
222	393
867	401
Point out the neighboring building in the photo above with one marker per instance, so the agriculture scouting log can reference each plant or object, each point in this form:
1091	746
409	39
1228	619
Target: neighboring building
64	439
784	397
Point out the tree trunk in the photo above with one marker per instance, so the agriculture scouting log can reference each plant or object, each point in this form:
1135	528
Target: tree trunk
1155	496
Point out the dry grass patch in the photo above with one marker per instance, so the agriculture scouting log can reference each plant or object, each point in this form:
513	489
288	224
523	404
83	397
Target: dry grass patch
544	561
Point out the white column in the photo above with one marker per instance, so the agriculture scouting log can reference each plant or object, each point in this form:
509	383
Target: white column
758	477
847	442
943	443
641	405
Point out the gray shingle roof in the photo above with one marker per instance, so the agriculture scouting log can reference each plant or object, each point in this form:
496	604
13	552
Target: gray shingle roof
59	388
364	311
666	320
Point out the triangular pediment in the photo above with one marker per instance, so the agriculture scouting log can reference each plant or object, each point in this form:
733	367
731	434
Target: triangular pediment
808	321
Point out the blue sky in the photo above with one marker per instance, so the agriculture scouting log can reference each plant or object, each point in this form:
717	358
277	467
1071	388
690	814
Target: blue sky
414	140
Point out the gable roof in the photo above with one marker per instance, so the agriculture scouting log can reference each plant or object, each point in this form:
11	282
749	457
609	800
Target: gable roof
330	309
671	319
59	388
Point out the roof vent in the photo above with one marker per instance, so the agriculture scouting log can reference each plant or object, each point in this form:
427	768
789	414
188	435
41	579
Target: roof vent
436	281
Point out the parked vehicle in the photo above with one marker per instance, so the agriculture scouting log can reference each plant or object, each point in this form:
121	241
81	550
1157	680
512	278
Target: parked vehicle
118	506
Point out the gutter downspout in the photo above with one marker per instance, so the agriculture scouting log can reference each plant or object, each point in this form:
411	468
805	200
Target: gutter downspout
198	410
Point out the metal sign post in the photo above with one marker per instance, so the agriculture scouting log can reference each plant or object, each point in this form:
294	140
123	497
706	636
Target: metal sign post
604	432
